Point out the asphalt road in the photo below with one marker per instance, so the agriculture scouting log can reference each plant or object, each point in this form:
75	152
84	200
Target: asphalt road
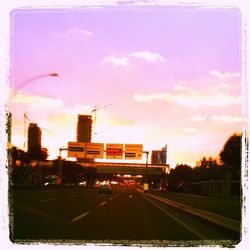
229	206
126	215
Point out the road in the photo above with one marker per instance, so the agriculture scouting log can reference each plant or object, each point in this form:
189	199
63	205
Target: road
76	213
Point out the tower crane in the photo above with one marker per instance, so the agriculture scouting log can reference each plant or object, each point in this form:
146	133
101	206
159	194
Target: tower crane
96	108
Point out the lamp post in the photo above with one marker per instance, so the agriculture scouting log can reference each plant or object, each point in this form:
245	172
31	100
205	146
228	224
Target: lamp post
32	79
14	92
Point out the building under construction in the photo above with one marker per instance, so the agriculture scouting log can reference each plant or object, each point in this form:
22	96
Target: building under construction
84	132
84	128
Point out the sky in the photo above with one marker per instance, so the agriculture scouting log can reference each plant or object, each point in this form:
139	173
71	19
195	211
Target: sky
160	75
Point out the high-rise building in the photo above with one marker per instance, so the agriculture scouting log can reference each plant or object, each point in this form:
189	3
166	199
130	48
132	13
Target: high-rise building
159	156
84	132
34	140
84	128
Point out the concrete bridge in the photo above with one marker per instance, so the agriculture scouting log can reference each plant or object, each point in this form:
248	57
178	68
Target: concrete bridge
126	168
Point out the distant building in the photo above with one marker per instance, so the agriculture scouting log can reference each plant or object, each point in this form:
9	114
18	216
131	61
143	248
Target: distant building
84	132
159	156
84	128
34	140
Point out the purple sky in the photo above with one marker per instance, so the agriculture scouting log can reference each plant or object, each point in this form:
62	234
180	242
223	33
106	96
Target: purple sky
173	76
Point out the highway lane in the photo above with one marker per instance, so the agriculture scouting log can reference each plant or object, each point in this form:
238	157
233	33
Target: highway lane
130	217
229	206
46	213
84	214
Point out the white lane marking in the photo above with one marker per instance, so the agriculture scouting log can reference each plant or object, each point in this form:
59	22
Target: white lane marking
73	193
103	203
195	232
79	217
46	200
72	196
86	213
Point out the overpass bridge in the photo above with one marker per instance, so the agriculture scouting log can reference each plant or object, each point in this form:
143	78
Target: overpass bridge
126	168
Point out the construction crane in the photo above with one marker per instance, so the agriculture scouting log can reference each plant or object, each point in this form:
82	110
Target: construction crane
47	130
94	114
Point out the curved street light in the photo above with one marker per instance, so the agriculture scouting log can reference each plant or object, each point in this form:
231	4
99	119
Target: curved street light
30	80
18	87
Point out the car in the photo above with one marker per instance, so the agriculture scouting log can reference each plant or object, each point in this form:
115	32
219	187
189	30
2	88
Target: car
162	189
105	189
52	180
82	183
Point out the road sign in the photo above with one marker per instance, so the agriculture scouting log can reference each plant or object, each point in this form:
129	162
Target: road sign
94	150
145	187
76	149
114	151
133	151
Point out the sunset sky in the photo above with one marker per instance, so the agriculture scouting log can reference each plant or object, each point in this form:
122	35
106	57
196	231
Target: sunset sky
172	75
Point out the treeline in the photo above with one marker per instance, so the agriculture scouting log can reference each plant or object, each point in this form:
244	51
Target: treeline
227	165
19	157
36	174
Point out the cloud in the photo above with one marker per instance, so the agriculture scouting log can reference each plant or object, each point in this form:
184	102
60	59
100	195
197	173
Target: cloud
37	101
154	97
220	118
72	34
117	61
191	100
221	87
80	109
185	89
120	122
227	118
198	118
223	76
123	61
148	56
189	130
78	32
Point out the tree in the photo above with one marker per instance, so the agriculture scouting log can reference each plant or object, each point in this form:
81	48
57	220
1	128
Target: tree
180	174
44	154
38	154
207	162
207	169
18	154
230	155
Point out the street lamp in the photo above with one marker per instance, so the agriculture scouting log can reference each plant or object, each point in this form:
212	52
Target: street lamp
54	74
14	92
32	79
